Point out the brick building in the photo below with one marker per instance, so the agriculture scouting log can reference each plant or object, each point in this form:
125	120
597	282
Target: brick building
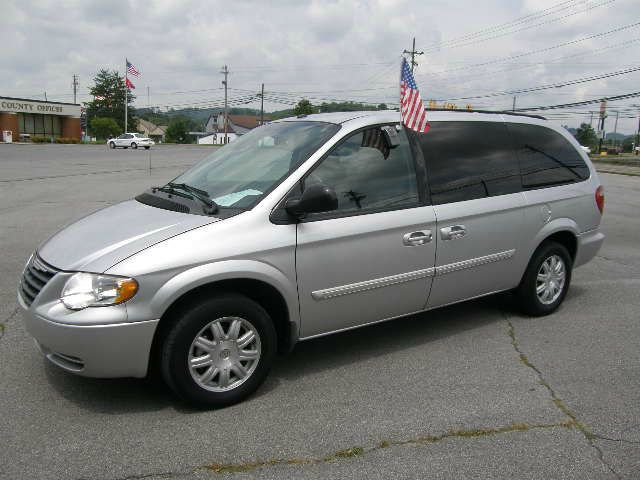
26	117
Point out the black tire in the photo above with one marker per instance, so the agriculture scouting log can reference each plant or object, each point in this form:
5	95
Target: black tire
147	148
112	145
134	145
526	293
177	343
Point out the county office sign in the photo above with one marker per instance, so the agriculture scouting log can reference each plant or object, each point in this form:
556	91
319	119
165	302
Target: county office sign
32	106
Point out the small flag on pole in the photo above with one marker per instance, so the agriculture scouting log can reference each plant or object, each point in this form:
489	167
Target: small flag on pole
132	70
411	106
129	84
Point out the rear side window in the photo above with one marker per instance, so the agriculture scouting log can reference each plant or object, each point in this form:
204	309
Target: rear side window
469	160
546	157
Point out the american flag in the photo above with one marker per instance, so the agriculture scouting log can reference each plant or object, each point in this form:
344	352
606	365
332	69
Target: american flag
132	70
411	106
374	138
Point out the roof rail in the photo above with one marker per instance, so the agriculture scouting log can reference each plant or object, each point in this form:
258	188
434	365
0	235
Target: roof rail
501	112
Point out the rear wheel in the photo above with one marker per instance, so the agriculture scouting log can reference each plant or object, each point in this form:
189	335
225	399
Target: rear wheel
219	351
147	148
546	280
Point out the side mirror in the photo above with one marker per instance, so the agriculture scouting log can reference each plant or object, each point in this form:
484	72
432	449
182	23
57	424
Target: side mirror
315	199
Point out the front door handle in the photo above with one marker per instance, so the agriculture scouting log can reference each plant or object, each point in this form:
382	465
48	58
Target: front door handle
413	239
453	232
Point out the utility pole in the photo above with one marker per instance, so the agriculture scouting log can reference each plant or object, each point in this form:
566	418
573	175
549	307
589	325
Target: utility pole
637	137
75	87
413	53
603	115
615	128
262	105
126	95
225	72
514	104
591	120
148	97
45	96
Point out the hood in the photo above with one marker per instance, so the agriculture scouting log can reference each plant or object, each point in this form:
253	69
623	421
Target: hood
106	237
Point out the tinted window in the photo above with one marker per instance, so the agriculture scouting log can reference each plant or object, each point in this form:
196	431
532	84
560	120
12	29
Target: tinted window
368	174
469	160
546	157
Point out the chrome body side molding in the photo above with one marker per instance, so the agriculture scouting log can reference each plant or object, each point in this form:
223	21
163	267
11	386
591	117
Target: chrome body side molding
328	293
475	262
333	292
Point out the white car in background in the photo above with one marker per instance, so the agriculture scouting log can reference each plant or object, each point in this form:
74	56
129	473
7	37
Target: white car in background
586	150
133	140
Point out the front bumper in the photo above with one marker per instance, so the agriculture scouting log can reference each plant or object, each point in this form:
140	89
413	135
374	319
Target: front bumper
103	351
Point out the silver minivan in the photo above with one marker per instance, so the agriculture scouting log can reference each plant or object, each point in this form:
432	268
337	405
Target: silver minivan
309	226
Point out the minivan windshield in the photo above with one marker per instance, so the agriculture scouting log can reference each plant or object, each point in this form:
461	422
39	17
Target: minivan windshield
240	173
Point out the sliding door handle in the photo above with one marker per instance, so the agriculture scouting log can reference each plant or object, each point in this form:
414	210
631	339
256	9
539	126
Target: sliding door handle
453	232
413	239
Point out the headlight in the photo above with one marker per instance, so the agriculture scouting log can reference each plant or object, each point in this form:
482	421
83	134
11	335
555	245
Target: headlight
84	290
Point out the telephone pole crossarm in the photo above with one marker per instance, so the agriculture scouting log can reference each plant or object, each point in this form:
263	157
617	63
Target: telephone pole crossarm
413	53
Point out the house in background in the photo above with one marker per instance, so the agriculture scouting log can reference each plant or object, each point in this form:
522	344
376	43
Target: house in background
151	130
237	125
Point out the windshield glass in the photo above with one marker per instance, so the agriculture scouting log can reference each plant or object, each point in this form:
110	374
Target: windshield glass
240	173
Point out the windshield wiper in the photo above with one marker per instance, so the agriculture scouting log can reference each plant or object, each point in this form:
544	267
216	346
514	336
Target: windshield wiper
193	192
202	195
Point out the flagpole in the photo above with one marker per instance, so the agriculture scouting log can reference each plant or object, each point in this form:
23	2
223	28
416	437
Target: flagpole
399	82
126	94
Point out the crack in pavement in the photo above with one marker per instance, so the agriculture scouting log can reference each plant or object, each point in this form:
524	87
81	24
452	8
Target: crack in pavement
359	451
557	401
3	323
175	474
356	451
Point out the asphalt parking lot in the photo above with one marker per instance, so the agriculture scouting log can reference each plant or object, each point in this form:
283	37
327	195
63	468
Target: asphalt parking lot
469	391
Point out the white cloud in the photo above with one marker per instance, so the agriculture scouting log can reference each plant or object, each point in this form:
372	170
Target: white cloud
345	49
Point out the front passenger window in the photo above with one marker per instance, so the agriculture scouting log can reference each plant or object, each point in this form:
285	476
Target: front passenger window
368	174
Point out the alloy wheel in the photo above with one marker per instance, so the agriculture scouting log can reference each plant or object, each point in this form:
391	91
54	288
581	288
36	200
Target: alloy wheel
551	279
224	354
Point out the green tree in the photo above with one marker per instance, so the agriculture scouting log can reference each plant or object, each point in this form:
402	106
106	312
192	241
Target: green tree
102	127
627	143
382	106
304	107
586	135
108	94
177	131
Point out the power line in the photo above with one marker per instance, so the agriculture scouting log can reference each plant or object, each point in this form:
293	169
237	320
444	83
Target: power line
506	25
528	27
533	52
551	85
577	104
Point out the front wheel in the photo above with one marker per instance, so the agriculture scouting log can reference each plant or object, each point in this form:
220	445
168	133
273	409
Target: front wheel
134	145
112	145
546	280
219	351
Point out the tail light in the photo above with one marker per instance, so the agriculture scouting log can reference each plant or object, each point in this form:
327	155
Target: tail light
600	198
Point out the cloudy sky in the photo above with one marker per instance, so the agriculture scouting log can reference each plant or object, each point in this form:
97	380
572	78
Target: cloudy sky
330	50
